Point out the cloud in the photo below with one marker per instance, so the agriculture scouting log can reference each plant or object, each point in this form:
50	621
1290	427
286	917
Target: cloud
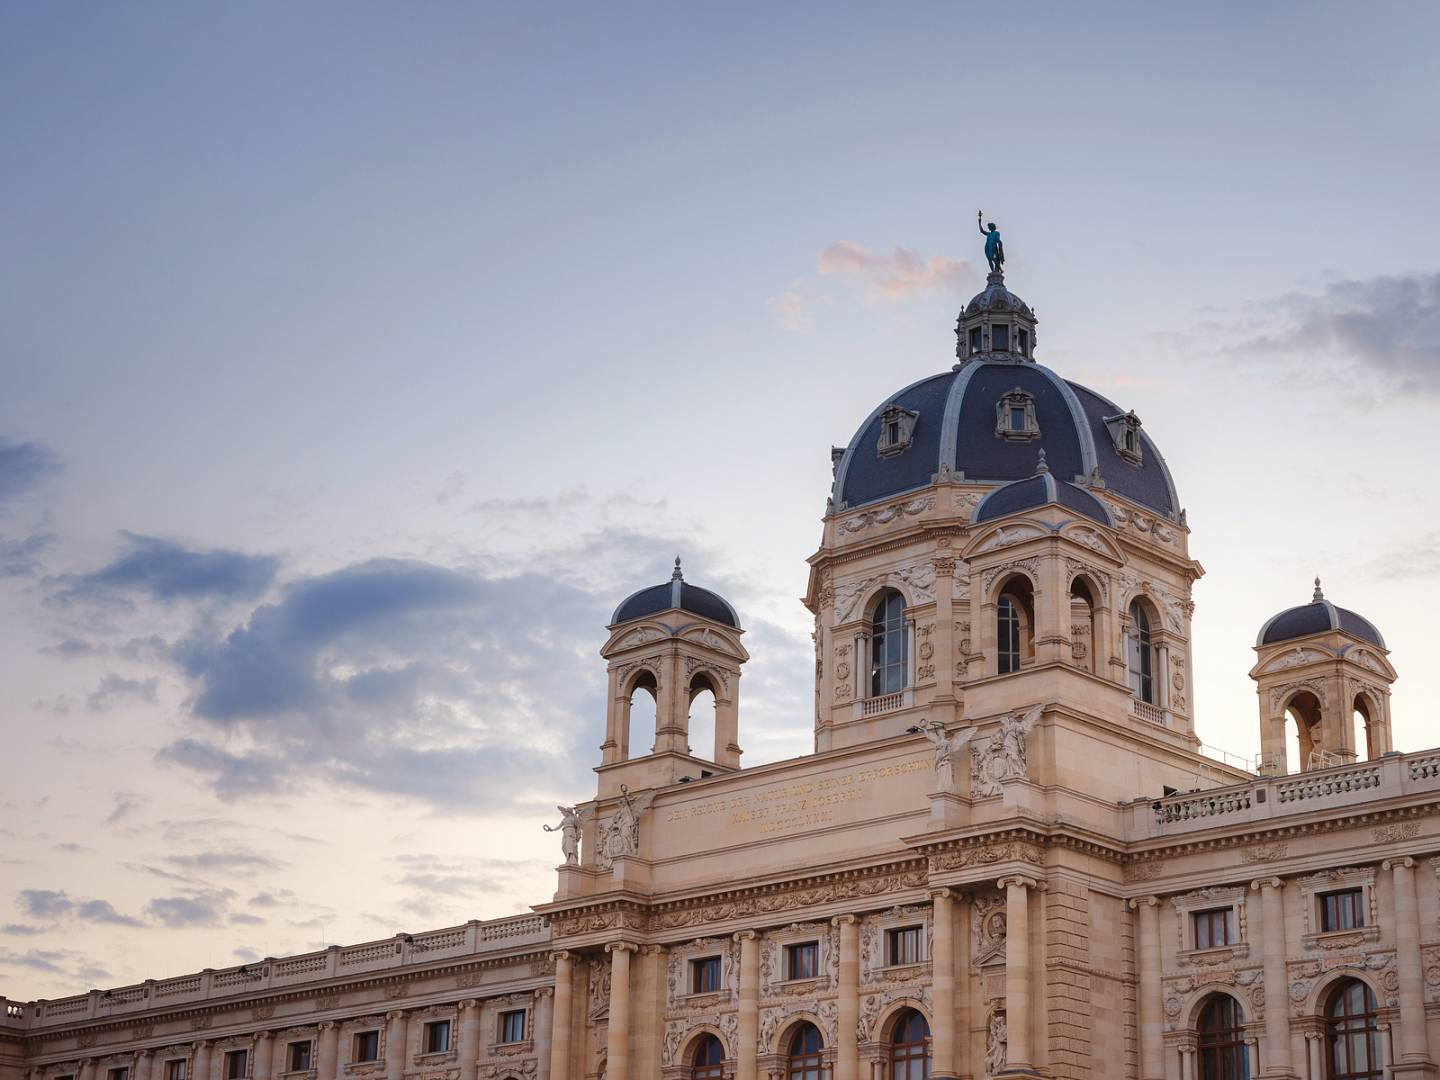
72	967
400	677
23	465
115	690
45	903
241	918
269	900
1405	562
223	860
101	911
21	930
167	571
126	803
196	909
900	274
20	558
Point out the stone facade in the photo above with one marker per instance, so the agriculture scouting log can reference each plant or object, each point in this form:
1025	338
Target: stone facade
1019	840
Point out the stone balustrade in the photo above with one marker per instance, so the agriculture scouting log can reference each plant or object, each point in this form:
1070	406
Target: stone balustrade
1265	797
473	938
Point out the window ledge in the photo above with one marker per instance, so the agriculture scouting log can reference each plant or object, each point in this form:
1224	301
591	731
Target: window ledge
436	1056
799	986
1341	939
705	997
1220	954
524	1046
901	972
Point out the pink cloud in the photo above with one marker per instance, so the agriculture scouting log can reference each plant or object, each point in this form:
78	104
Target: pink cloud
899	274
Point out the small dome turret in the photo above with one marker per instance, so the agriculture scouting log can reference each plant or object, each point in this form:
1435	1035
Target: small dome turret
1040	490
676	594
1319	616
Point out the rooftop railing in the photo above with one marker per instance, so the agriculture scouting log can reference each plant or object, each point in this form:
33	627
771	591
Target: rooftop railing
474	937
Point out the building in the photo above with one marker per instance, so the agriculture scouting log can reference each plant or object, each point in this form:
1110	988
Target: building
1006	855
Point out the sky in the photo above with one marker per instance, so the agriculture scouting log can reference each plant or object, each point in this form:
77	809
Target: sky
356	359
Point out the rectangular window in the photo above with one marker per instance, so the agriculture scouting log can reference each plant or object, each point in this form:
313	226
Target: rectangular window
236	1063
974	340
904	945
299	1057
512	1026
802	961
1024	336
1212	928
705	975
1007	620
1017	419
1000	338
174	1070
121	1073
367	1046
437	1037
1343	910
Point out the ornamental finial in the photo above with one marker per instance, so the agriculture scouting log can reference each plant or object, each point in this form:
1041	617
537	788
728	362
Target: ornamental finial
677	575
1318	594
1041	467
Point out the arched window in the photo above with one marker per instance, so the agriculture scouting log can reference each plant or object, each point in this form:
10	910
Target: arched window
910	1047
1083	636
802	1056
1014	625
641	715
701	725
1220	1040
1142	654
1304	712
1352	1034
705	1062
1364	728
889	647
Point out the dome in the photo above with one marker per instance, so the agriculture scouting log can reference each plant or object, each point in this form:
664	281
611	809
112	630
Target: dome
676	593
983	421
1319	616
1040	490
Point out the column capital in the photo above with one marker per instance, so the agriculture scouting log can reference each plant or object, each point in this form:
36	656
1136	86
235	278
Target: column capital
651	950
562	954
844	920
940	894
1267	883
745	935
202	1043
326	1025
1022	880
621	946
1399	862
468	1004
1135	903
544	992
395	1014
258	1036
147	1052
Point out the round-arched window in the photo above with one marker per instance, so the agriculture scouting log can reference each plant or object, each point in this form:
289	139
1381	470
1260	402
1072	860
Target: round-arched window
1142	654
910	1047
1220	1040
802	1056
1352	1033
705	1062
889	647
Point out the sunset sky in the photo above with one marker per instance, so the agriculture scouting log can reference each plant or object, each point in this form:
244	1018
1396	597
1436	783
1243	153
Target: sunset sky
356	359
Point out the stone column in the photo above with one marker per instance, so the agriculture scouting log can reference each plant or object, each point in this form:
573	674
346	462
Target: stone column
963	912
544	1022
943	636
942	967
1277	998
748	1029
87	1067
1407	961
1018	979
397	1045
199	1062
264	1055
617	1059
144	1059
328	1058
564	1014
1387	1043
1147	958
469	1039
1315	1049
1187	1062
647	1036
847	1044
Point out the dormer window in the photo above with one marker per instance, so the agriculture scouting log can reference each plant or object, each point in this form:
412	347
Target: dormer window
1024	336
1125	432
976	340
1000	338
897	430
1015	416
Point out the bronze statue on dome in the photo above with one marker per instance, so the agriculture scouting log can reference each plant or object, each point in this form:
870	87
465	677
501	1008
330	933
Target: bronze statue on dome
994	249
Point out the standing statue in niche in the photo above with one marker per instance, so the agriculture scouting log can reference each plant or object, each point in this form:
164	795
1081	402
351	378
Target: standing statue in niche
620	836
946	747
1001	757
994	248
997	1044
569	830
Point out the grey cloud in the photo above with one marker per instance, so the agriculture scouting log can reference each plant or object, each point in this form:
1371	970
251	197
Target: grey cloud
101	911
166	571
1405	562
71	966
115	689
241	918
23	465
223	860
74	649
246	956
21	558
269	900
126	803
196	909
21	930
45	903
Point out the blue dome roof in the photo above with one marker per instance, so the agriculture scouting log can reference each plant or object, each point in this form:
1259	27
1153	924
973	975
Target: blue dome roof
955	427
1319	616
676	593
1040	490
